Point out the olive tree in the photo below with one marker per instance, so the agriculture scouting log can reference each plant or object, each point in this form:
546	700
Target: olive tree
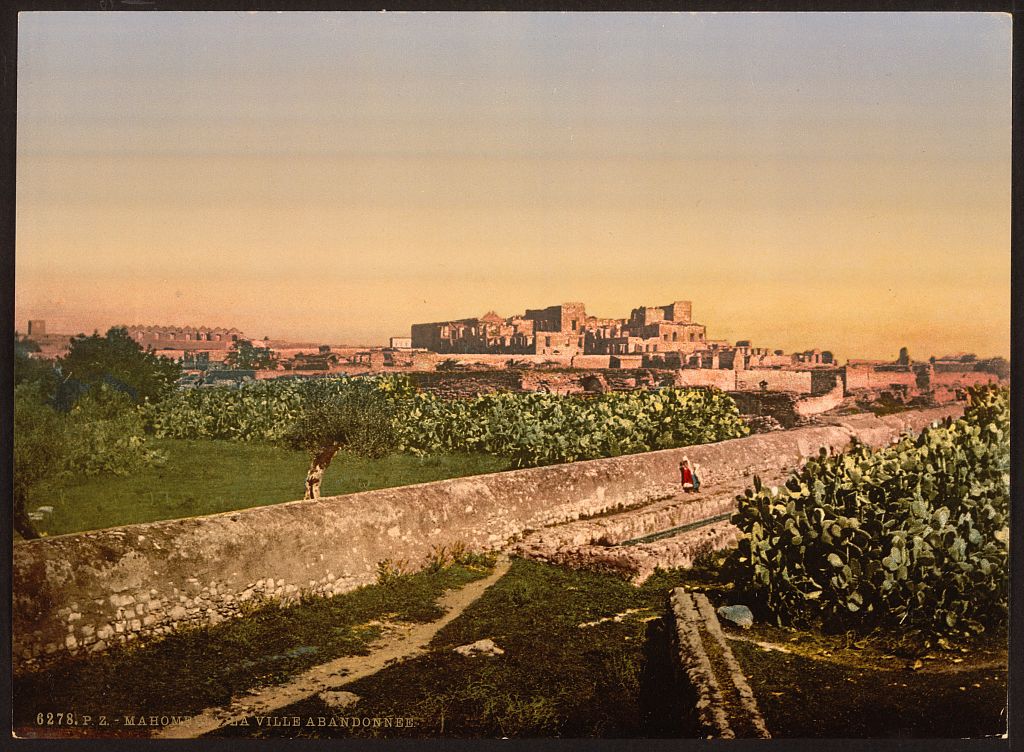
358	418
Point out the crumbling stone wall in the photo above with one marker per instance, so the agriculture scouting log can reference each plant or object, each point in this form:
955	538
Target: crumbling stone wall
82	593
778	405
824	381
590	361
859	377
809	406
462	384
720	378
467	383
962	379
777	380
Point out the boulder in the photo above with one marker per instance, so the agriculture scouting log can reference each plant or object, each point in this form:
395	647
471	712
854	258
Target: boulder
738	615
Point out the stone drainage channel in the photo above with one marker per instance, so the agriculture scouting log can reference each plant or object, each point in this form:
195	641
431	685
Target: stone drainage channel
665	533
725	704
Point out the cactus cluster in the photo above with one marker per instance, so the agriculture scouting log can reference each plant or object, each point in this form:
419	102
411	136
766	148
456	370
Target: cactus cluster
531	429
914	535
543	429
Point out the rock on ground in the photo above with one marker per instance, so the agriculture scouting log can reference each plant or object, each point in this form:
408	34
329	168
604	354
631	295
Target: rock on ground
480	647
738	615
338	700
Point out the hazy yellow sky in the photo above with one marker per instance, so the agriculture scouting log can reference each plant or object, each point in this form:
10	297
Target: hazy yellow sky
808	180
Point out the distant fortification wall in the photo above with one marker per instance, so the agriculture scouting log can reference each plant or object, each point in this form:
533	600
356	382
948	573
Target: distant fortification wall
721	378
83	593
774	380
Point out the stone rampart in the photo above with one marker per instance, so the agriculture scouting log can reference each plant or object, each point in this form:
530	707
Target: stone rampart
721	378
775	380
962	379
87	591
860	377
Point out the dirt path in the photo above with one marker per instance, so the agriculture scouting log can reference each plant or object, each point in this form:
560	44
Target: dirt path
402	642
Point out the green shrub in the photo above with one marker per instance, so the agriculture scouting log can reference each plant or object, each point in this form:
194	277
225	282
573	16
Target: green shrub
531	429
914	535
262	411
103	433
542	429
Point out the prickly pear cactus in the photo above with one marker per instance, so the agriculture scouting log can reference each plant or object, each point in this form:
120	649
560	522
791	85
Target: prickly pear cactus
915	535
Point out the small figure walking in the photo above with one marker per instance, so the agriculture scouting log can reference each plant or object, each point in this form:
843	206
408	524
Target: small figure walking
688	476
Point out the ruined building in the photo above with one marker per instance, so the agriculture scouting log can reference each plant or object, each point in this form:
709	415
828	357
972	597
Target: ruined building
566	329
184	337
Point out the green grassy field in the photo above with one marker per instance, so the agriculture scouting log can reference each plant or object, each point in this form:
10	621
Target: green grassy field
571	669
586	655
207	476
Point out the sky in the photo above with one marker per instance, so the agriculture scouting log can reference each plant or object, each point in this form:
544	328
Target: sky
838	181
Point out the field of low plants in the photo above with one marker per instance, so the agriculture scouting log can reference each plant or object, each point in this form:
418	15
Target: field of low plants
530	429
913	536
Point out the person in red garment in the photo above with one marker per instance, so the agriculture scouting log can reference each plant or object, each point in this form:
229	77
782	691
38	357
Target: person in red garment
688	476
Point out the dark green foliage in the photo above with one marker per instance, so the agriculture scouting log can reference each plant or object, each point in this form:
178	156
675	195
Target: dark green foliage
101	434
116	359
38	449
29	369
247	356
262	411
914	535
104	434
359	418
542	429
530	429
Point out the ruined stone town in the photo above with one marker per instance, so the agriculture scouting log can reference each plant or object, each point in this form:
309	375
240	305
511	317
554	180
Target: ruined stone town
563	349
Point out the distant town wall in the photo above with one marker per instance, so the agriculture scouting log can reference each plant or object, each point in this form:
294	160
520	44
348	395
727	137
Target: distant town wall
962	379
869	377
86	592
721	378
590	361
775	380
501	361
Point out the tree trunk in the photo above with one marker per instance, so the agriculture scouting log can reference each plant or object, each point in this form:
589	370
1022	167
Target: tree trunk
22	523
317	467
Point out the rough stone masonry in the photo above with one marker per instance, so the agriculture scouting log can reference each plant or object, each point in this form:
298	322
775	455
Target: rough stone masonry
84	592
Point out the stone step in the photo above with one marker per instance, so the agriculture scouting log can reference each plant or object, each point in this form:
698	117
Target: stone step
638	562
634	538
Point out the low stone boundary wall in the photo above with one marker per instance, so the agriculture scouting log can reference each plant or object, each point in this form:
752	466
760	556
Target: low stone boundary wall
809	406
84	592
726	707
